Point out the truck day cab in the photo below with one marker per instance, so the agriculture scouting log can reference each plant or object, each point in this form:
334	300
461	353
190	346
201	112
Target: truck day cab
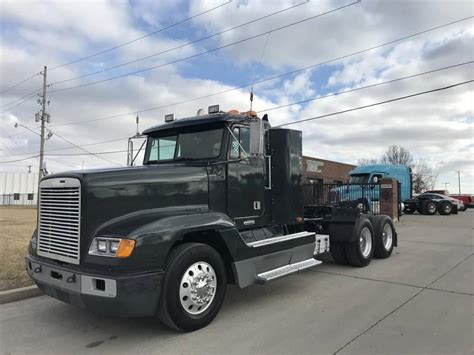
364	178
218	200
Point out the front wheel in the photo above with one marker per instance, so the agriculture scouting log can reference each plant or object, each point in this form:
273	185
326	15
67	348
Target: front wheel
193	288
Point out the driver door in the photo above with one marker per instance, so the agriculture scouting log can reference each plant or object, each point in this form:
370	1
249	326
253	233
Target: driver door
245	182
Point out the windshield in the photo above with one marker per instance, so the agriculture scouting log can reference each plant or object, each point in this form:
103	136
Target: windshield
180	146
359	179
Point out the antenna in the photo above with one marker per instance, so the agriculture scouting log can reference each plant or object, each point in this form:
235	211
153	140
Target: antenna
257	69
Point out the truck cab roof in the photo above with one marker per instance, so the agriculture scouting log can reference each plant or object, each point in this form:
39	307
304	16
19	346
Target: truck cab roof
378	168
208	119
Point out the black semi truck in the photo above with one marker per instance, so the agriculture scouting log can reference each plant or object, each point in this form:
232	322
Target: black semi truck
218	200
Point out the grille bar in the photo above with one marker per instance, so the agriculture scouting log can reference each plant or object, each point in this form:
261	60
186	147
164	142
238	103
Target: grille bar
59	218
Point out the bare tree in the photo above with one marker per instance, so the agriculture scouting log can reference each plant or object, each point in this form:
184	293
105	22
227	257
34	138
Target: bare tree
371	161
396	155
423	176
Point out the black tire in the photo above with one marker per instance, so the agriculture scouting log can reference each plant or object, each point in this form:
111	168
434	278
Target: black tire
383	240
362	204
445	208
428	207
170	309
354	255
338	253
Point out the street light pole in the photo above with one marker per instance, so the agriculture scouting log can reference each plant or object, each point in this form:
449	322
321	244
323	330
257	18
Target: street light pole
459	181
446	186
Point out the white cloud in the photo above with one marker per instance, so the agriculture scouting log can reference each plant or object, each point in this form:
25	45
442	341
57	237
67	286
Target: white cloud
437	127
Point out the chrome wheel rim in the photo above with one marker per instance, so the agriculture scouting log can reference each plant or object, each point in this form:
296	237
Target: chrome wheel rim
387	236
365	242
431	208
198	288
447	208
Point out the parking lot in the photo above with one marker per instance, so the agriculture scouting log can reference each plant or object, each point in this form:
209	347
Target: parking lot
418	301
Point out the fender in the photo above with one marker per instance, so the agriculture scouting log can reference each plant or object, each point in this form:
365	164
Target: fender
156	231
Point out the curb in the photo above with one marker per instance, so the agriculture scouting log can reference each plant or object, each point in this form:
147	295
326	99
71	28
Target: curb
18	294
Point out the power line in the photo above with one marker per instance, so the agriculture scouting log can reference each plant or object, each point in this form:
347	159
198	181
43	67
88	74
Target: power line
21	100
81	145
141	37
366	86
298	102
19	83
207	51
284	124
91	153
377	103
293	72
98	156
14	161
183	45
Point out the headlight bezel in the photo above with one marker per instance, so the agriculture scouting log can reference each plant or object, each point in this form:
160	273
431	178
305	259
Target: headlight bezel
114	247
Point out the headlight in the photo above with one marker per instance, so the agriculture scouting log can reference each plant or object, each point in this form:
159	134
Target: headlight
34	242
112	247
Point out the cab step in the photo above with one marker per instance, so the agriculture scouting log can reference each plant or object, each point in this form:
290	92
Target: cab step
289	269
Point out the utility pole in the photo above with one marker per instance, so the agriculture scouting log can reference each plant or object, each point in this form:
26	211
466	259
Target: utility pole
446	186
459	181
43	118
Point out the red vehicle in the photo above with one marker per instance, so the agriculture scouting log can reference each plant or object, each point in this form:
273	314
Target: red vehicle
468	200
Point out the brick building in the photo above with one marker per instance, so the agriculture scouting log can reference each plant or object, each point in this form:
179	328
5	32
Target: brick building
325	171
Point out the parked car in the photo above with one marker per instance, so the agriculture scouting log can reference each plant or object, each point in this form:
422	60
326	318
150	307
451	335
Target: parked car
468	200
440	196
430	203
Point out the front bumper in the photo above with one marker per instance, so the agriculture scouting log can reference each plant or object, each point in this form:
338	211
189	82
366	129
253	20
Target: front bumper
133	295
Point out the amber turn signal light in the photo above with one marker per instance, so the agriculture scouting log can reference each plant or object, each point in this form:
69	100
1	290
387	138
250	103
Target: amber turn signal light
125	248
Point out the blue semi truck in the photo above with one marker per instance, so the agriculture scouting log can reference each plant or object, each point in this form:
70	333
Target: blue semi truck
363	179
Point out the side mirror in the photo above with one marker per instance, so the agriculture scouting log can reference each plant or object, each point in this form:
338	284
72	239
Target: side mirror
256	137
256	141
130	153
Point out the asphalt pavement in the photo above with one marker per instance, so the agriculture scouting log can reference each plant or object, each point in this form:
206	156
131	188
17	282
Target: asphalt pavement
418	301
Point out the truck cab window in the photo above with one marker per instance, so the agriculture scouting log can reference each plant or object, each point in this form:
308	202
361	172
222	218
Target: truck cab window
359	179
376	178
241	140
185	146
163	148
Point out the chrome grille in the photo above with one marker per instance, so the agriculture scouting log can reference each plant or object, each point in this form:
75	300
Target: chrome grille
59	228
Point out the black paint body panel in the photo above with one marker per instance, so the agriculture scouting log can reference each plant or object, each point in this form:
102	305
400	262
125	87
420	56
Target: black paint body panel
287	175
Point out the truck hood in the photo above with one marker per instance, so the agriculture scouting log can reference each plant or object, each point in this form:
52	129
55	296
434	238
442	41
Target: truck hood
134	194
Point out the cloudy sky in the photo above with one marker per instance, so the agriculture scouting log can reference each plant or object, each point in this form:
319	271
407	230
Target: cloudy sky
209	52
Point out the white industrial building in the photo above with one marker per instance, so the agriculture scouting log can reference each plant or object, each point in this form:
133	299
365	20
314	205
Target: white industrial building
18	188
